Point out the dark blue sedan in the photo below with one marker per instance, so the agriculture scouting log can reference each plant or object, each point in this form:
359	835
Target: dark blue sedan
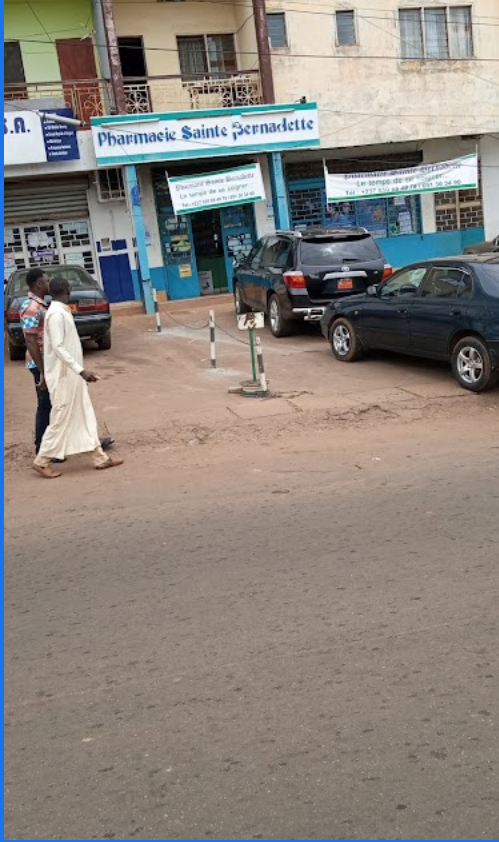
442	309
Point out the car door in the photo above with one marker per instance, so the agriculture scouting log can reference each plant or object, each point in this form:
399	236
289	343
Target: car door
264	279
443	306
248	271
276	259
384	320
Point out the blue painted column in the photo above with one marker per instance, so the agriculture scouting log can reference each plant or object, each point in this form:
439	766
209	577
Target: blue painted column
140	236
279	192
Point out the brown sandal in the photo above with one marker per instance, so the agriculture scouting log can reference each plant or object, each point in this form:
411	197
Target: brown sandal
112	462
46	472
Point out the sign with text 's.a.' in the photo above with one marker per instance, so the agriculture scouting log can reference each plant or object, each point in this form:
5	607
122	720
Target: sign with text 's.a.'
237	186
136	138
29	139
458	174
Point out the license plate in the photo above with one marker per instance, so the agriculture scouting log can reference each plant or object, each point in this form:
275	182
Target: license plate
346	283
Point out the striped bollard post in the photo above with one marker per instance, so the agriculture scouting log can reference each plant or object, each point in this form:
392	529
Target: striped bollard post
261	366
156	310
213	347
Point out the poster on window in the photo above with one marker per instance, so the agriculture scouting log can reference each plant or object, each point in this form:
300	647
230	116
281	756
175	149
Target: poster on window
458	174
237	186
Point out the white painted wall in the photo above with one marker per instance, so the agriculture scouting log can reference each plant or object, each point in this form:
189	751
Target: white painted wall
367	94
86	163
489	150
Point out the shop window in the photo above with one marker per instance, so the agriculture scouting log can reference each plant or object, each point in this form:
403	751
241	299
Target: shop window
345	29
110	185
206	54
382	217
276	24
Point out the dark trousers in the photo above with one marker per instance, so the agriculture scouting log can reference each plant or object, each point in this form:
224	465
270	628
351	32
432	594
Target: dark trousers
42	417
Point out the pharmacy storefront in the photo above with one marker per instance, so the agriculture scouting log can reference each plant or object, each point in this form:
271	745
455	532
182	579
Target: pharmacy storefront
214	181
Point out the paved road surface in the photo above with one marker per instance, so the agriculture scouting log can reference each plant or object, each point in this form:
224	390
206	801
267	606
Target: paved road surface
297	643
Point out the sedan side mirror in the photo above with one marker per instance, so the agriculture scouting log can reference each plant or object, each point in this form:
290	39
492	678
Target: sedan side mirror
372	290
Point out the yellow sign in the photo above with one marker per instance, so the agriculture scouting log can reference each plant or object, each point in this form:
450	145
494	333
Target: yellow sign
185	270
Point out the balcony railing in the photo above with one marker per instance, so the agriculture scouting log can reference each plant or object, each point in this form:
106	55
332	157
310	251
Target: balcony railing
172	93
94	97
87	98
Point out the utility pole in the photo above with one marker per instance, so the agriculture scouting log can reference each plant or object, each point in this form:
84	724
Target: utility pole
114	56
263	44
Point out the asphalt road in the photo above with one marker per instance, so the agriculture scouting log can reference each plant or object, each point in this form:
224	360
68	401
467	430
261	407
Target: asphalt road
298	643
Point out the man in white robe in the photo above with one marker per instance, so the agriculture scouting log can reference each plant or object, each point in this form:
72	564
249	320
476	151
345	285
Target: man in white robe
73	425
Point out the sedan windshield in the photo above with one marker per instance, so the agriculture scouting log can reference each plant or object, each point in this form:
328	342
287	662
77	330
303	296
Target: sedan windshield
78	278
489	278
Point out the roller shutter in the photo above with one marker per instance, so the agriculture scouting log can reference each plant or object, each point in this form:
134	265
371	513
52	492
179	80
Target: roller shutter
45	200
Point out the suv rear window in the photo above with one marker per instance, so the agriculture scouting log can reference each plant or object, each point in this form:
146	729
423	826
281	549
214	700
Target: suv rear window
324	251
489	278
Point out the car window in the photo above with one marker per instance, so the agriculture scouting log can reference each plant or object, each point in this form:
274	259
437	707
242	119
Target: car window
404	283
489	278
255	255
77	278
326	251
277	253
447	282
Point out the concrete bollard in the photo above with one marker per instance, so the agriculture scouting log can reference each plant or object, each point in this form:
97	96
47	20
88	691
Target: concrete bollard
261	366
156	310
213	347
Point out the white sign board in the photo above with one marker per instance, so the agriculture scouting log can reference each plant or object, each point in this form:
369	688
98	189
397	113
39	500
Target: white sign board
459	174
23	139
140	138
251	321
219	189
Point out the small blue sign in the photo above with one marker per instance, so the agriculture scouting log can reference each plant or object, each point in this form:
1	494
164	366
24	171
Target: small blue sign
61	142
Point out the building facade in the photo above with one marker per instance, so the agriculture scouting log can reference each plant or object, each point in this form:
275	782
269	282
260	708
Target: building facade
396	85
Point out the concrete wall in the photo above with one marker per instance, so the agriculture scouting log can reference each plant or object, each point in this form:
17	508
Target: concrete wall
160	23
39	23
367	94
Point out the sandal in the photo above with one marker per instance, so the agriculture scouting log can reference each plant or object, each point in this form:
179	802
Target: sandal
46	472
112	462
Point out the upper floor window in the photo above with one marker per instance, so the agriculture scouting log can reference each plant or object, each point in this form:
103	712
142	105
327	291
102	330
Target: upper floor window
345	28
436	33
200	55
276	23
13	63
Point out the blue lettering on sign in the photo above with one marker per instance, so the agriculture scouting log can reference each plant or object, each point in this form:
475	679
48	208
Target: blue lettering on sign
241	133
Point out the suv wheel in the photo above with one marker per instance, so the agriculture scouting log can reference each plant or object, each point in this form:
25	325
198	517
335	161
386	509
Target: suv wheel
344	341
241	307
472	365
279	326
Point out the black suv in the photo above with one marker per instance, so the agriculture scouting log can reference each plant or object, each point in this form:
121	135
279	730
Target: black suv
294	275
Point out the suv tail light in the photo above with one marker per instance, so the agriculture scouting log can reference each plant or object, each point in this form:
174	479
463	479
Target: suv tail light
295	280
387	271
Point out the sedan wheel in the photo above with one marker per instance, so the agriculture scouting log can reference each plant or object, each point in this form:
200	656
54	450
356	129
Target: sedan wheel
472	365
344	341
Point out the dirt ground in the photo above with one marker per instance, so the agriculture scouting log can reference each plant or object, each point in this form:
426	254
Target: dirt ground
159	390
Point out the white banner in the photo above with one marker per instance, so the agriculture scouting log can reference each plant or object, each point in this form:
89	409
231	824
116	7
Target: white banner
237	186
459	174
